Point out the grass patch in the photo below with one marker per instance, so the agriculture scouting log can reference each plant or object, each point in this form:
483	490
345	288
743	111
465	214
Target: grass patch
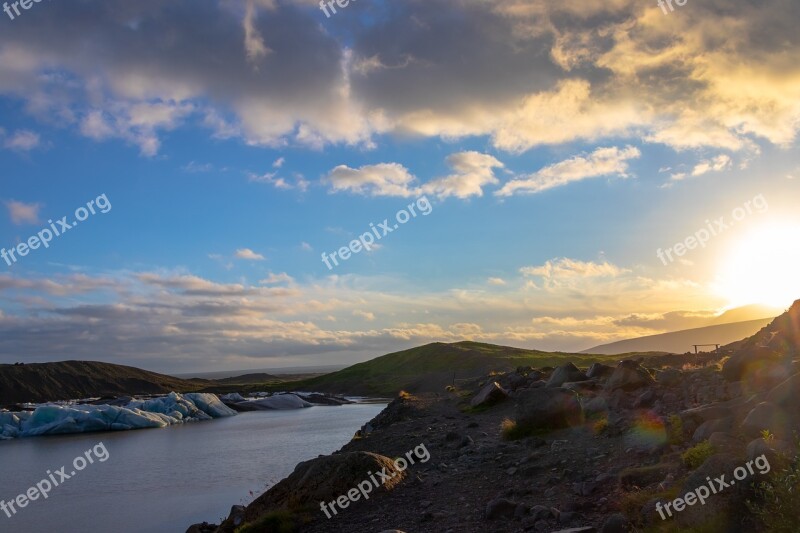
510	430
643	476
778	499
714	524
631	503
697	455
600	426
273	522
675	430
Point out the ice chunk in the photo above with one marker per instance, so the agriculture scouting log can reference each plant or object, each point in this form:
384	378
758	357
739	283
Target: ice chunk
279	401
210	404
233	397
65	417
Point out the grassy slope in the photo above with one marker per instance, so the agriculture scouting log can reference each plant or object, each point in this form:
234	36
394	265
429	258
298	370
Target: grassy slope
39	382
431	367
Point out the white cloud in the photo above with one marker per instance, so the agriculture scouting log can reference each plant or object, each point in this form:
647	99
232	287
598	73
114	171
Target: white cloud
22	213
369	317
612	161
274	279
570	268
384	179
22	141
473	171
193	167
248	255
278	163
496	281
717	164
281	183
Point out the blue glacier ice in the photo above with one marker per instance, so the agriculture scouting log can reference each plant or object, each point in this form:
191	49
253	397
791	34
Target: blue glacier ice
55	419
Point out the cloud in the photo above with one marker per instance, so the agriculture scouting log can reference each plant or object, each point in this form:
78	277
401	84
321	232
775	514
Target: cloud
248	255
273	179
612	161
274	279
473	171
539	72
496	281
22	213
306	247
565	267
717	164
194	168
171	320
278	163
384	179
369	317
22	141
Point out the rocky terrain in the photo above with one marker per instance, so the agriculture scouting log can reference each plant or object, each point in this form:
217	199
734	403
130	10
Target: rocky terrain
569	449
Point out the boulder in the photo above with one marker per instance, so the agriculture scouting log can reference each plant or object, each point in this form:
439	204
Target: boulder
771	449
548	408
747	361
321	480
500	508
616	523
646	399
767	416
565	373
724	442
490	394
513	381
629	376
668	377
722	506
599	370
712	426
596	405
786	393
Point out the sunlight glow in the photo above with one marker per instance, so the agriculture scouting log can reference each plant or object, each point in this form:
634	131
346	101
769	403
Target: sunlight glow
763	267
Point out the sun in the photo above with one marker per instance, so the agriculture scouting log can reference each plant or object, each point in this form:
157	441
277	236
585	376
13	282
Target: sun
763	267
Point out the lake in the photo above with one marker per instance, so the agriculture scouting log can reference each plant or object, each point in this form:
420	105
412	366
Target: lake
164	480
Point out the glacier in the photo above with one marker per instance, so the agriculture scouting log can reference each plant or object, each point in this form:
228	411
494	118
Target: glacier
57	419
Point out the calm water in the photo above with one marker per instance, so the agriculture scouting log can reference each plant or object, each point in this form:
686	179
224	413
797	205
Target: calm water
164	480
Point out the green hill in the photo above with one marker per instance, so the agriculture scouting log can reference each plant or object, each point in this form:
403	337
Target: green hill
433	366
67	380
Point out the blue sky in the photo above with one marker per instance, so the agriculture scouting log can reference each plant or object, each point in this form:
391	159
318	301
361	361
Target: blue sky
233	160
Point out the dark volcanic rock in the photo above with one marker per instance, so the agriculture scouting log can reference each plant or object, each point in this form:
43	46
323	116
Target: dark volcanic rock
500	508
566	373
629	376
489	395
548	408
599	370
320	480
747	362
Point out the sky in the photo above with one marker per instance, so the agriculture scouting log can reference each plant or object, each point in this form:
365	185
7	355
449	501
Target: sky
219	153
